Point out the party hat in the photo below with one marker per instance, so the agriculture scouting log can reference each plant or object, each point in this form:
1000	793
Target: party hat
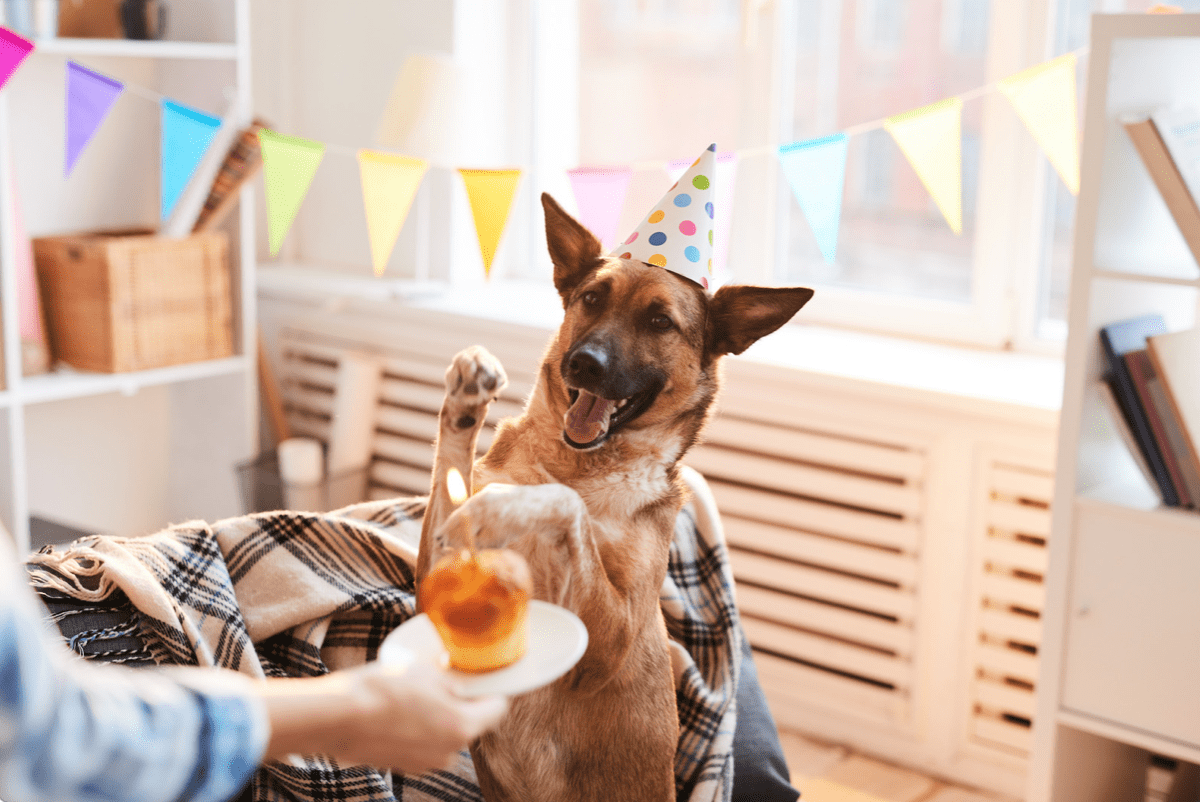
678	232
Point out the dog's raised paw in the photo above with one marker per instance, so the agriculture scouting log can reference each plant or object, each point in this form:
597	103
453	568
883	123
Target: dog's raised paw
474	379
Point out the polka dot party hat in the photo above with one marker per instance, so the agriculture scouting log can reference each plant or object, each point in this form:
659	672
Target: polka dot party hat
678	232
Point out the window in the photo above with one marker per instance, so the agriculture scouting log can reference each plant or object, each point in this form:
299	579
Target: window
660	79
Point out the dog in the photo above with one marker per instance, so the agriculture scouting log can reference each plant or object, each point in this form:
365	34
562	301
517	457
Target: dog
584	485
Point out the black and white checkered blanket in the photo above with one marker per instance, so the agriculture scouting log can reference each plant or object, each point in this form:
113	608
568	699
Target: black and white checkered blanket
295	594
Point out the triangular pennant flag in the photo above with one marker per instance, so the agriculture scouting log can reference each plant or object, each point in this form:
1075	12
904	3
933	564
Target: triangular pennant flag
1044	97
289	164
90	96
491	194
726	180
600	195
816	170
389	184
186	134
13	50
931	138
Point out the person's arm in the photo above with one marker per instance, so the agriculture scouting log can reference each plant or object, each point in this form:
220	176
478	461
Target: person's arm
90	733
71	730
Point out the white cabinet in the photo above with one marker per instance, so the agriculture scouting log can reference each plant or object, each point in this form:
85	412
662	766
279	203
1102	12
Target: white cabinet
1121	643
123	453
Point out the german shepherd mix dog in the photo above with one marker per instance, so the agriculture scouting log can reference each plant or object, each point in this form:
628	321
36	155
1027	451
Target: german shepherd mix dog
584	485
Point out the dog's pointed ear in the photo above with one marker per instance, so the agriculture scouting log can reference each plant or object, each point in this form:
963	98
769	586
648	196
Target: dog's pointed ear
738	315
574	250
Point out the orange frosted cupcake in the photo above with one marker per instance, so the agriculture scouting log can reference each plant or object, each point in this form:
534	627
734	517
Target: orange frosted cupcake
479	607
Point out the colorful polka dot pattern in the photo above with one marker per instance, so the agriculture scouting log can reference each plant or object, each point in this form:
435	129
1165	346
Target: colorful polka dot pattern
678	232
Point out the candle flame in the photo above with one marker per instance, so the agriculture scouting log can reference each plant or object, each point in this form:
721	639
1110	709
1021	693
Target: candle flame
455	486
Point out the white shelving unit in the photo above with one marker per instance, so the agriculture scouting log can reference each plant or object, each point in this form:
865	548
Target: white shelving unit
124	453
1121	644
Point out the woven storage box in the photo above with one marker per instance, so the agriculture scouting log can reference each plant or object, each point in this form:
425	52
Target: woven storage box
131	301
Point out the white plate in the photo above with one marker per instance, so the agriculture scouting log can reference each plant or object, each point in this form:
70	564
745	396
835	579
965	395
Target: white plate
556	641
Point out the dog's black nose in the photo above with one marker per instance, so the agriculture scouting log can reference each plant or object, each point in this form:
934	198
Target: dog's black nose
587	365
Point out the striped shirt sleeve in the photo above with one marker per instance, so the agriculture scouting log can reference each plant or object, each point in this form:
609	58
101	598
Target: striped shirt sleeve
82	732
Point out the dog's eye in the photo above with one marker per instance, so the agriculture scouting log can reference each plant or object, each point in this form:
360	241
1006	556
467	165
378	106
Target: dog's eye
661	322
591	298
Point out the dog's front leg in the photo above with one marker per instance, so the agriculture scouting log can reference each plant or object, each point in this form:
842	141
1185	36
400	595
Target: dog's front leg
474	380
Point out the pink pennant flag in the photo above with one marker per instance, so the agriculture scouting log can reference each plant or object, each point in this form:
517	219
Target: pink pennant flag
600	196
726	178
13	50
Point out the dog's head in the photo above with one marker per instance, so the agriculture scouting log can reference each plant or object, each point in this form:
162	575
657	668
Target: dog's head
639	345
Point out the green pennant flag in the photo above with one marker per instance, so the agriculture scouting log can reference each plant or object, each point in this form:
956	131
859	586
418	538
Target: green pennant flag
289	164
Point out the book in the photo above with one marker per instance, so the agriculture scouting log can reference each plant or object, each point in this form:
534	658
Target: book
241	163
1118	339
1162	425
1121	424
1175	172
1176	359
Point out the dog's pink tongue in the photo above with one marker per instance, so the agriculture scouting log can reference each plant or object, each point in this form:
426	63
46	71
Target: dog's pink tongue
587	418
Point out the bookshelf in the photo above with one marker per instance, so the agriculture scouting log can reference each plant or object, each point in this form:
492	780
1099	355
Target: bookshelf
124	453
1117	681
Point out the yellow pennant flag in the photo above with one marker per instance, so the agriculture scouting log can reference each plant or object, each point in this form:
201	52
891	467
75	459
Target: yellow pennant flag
931	138
1044	97
389	184
491	194
289	164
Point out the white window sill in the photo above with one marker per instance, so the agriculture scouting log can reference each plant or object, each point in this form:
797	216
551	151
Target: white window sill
1028	382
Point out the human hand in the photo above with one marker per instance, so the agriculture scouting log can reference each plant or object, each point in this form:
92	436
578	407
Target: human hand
403	716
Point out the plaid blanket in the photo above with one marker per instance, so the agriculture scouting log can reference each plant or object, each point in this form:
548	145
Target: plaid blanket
295	594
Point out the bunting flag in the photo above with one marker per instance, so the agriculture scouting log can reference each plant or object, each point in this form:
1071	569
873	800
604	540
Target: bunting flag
931	138
289	164
726	179
816	170
389	184
1044	97
90	96
491	194
13	50
600	196
186	134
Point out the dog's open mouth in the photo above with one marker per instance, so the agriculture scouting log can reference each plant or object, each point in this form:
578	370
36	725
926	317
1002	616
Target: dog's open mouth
591	420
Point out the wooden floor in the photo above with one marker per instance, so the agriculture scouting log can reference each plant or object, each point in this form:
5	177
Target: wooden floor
826	773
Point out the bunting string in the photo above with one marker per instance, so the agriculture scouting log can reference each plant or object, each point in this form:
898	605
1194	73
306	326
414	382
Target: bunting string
1043	97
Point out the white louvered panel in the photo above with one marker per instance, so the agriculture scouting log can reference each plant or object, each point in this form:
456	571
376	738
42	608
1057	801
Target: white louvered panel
1005	661
399	479
1004	624
802	546
777	508
827	586
804	480
1019	518
1017	554
1002	696
847	625
1024	483
421	426
808	446
1012	736
1002	586
867	664
791	685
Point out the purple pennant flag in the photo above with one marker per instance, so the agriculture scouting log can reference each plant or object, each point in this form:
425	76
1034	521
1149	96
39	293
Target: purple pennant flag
600	194
13	50
90	95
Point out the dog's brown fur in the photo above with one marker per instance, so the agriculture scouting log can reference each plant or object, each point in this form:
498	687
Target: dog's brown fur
594	523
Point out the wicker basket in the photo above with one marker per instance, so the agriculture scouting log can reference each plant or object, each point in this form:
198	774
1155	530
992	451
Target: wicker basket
117	302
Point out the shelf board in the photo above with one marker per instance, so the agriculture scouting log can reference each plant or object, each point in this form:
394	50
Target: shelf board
1126	498
64	384
1180	750
1121	275
137	48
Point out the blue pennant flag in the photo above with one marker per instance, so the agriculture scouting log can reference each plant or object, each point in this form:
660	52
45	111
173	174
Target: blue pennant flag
186	134
816	169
